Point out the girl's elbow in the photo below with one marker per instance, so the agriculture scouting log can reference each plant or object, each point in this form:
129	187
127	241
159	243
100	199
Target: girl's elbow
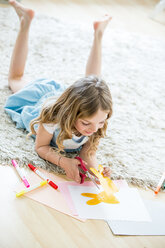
37	149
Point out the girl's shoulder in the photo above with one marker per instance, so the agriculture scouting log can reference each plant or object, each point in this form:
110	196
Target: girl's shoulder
50	127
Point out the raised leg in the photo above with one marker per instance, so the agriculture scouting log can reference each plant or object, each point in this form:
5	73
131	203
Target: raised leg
18	60
95	57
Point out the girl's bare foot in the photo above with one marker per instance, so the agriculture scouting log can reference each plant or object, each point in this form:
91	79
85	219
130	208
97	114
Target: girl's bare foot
100	25
25	15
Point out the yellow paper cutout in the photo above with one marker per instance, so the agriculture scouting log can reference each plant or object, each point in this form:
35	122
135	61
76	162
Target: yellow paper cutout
107	184
101	197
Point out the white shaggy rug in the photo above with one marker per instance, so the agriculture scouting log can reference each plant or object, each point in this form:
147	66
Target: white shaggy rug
134	67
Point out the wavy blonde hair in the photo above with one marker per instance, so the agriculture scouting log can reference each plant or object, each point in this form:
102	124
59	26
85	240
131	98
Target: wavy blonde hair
81	100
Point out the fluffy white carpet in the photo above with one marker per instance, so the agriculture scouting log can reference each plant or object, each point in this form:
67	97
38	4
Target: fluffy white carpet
134	67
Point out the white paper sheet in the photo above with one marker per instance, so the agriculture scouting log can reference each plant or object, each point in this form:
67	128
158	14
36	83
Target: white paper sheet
155	227
130	208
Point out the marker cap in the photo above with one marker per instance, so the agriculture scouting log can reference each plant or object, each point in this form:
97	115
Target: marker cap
26	183
53	185
31	167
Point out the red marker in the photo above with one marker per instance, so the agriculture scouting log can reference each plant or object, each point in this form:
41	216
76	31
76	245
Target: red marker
39	173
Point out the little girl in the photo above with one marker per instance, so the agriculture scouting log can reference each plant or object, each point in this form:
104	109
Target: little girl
69	120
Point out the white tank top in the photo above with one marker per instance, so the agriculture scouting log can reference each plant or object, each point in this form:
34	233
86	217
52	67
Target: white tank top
73	143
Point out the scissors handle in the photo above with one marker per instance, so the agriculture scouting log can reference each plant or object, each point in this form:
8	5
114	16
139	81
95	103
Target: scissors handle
82	166
83	176
86	173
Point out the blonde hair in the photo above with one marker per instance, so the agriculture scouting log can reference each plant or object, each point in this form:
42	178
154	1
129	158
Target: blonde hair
81	100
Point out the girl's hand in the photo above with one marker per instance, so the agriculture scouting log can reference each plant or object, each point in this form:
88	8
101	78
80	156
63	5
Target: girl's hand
71	168
106	171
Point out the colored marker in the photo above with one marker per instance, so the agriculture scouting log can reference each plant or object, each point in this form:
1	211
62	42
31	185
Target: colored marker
160	183
20	173
39	173
31	188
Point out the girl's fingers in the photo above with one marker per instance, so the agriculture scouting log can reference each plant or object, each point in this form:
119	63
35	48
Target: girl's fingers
78	180
85	163
106	172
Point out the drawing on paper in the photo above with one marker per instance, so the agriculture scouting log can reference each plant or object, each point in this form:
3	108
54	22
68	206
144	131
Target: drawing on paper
101	197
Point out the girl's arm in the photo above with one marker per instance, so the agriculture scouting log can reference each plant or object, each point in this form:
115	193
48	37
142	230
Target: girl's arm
91	161
43	148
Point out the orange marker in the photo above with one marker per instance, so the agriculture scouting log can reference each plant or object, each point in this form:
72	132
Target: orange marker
160	183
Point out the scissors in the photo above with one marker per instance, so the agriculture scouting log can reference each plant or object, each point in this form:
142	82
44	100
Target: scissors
85	172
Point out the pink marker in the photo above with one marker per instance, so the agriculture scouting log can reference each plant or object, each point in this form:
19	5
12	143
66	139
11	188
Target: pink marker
20	173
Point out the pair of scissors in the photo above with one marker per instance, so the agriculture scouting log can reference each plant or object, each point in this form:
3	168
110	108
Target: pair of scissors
85	173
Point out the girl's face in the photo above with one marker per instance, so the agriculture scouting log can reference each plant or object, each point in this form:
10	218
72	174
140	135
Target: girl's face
90	125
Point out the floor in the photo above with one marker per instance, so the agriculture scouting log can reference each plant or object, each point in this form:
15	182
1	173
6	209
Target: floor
133	16
25	223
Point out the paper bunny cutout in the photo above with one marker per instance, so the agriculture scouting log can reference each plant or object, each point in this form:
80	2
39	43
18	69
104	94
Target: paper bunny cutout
107	184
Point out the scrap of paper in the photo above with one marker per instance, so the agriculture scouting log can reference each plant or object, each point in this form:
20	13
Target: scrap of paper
47	195
107	184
